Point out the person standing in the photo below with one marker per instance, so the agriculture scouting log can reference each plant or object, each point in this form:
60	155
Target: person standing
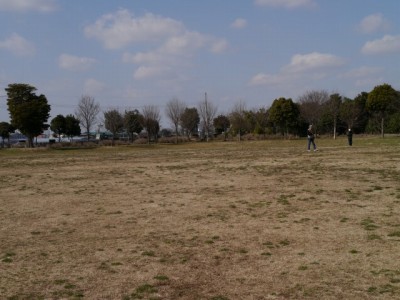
310	138
350	137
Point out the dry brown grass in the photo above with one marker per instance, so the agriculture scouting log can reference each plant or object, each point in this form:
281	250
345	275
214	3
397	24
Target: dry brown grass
255	220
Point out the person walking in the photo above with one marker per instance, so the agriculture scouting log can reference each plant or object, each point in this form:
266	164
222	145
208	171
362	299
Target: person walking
310	138
350	137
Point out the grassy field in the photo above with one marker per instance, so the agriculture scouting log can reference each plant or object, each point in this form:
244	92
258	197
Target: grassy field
250	220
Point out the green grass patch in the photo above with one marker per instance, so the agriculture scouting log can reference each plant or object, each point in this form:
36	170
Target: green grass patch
394	234
369	224
372	237
161	277
8	257
142	292
149	253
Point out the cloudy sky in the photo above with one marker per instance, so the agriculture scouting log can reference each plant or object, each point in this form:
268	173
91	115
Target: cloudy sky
131	53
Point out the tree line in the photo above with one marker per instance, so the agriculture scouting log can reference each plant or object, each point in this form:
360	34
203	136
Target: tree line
377	111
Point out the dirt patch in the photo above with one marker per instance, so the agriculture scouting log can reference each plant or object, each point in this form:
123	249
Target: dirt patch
253	220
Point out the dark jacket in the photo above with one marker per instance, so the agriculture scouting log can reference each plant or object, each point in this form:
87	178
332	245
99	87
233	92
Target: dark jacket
310	134
349	134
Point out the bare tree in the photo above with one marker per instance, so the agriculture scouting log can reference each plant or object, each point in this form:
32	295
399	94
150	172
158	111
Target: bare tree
114	122
349	112
333	107
207	112
311	105
151	121
238	118
174	111
87	112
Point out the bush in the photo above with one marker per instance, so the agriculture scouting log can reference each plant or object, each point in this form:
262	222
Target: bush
141	141
109	143
74	145
172	140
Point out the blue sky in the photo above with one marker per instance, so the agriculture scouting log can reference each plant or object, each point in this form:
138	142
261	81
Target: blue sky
131	53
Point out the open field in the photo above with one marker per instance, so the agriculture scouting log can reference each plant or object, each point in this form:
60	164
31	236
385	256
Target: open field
250	220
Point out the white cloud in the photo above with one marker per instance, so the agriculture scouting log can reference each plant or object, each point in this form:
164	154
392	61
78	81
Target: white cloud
75	63
121	29
219	46
314	65
239	23
388	44
267	79
286	3
144	72
373	23
312	61
184	43
170	44
18	45
28	5
141	58
93	87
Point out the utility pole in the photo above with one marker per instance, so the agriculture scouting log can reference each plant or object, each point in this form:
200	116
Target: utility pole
206	118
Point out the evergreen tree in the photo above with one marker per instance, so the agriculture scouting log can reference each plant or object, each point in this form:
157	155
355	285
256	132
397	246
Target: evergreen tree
28	112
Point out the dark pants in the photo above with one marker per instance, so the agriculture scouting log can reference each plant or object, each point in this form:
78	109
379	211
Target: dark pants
311	141
350	139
